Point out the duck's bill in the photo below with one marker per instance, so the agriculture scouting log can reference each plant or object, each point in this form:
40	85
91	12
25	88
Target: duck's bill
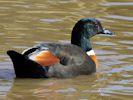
107	32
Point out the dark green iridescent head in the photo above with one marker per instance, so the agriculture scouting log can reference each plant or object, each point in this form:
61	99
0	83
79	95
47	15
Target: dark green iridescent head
84	29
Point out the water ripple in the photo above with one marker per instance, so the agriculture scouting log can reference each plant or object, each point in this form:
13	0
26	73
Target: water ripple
117	4
116	89
66	90
120	17
51	20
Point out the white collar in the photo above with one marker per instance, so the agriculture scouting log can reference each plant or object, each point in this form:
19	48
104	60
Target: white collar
91	52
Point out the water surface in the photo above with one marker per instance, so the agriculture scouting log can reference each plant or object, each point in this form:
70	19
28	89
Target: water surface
24	23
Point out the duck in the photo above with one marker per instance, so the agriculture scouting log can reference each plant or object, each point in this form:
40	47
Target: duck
61	60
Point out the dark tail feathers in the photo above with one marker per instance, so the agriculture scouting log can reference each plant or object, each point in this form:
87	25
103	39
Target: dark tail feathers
26	68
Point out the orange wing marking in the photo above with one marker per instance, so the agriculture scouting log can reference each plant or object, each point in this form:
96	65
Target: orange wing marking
45	58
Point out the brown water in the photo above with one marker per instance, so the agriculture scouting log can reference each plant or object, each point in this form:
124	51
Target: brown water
24	23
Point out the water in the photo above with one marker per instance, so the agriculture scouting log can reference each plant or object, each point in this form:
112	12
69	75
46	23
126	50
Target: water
24	23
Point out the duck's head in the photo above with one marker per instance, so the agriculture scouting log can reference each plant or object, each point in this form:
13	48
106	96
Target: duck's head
84	29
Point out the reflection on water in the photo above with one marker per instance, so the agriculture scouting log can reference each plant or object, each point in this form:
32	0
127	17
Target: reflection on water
24	23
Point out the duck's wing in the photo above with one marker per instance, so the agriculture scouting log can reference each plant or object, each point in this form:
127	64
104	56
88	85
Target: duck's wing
73	62
69	54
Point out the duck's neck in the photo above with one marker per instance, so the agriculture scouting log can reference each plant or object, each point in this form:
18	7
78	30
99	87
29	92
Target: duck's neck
85	44
82	41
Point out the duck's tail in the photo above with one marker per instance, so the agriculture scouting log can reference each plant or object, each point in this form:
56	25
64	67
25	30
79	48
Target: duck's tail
26	68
